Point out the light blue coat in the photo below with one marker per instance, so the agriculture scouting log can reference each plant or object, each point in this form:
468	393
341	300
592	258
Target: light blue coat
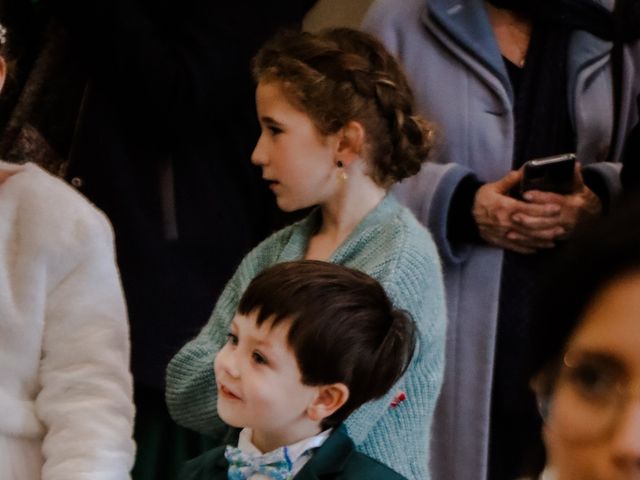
454	65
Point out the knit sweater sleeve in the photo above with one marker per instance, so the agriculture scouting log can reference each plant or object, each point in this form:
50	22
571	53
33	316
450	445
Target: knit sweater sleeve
411	274
191	392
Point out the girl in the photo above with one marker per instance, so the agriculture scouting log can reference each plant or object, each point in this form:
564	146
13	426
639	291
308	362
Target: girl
65	389
338	129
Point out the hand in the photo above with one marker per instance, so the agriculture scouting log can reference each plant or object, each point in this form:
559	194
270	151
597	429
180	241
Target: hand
494	212
574	208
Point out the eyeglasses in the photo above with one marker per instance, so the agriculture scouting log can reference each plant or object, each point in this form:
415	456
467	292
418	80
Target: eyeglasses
585	396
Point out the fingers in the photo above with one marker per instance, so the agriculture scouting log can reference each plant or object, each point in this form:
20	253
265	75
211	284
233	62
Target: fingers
542	239
538	197
509	181
532	224
578	181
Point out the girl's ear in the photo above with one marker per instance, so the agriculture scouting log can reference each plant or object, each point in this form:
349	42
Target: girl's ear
350	142
328	400
3	72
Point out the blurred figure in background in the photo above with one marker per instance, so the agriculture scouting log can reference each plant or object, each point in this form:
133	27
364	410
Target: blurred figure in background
506	81
163	146
584	355
65	386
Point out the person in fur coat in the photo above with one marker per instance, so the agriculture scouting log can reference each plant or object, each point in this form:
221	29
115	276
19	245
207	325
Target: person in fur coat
66	410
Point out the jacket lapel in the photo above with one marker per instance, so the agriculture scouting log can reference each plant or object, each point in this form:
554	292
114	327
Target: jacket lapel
330	459
465	24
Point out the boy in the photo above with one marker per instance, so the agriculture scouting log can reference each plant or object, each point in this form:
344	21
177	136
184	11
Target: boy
310	343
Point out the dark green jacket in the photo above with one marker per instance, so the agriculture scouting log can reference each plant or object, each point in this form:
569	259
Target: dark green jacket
336	459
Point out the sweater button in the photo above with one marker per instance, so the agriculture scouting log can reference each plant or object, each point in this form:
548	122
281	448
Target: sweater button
77	182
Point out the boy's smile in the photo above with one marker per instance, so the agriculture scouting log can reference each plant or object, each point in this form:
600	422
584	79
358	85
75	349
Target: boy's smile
224	391
260	384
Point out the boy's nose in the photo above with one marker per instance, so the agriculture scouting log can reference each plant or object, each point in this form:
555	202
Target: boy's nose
626	439
226	362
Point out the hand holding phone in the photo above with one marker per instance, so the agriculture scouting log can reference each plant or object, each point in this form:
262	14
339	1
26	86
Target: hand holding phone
549	174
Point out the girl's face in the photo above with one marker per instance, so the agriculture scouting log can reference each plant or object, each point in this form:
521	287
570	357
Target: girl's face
593	428
296	159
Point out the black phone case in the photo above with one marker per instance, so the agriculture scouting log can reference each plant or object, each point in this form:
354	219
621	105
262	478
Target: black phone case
555	174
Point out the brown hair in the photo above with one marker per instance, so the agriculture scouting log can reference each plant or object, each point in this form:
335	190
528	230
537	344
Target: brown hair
339	75
343	327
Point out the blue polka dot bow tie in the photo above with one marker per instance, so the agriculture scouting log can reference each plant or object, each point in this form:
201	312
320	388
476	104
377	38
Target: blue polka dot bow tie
243	465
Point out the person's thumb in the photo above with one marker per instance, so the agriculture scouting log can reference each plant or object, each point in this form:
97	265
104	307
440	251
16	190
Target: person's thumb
509	181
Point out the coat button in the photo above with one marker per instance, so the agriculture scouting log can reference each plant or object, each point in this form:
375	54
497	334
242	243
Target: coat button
77	182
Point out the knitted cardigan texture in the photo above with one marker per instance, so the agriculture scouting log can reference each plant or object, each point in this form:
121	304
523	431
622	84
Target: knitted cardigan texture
388	244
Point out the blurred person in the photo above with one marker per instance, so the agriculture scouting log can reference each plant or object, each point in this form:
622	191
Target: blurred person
163	146
506	81
338	129
65	386
584	359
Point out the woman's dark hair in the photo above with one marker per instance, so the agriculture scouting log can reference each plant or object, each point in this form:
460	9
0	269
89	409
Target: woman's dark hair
340	75
597	255
342	327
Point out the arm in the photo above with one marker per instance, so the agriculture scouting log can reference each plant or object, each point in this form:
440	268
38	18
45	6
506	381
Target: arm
85	401
191	391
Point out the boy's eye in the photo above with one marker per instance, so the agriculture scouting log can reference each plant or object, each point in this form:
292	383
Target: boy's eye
274	130
232	339
259	358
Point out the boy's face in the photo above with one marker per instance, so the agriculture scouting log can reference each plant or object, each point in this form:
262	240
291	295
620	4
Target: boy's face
259	381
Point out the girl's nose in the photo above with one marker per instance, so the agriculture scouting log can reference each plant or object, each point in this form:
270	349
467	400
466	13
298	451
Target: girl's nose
258	156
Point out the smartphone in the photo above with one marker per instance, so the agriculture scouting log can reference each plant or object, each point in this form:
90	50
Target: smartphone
549	174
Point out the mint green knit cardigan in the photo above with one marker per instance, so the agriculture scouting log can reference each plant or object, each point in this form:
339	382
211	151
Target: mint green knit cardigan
388	244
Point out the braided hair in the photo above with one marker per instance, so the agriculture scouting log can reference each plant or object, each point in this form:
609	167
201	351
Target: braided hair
339	75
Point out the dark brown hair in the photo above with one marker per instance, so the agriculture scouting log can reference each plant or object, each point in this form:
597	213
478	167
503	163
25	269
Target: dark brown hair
342	327
340	75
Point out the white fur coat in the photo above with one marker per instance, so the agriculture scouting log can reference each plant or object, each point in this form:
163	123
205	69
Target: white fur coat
65	387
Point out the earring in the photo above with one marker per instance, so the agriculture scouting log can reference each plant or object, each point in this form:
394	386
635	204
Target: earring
343	174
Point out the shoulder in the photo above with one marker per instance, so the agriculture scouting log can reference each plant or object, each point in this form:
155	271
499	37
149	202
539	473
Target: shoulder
47	205
405	246
208	466
287	243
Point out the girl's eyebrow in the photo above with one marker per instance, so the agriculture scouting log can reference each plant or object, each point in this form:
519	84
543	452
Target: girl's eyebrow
270	121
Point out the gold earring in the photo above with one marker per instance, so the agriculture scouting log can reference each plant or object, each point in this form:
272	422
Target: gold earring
343	174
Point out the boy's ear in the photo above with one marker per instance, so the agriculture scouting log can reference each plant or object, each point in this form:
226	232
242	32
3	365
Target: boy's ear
351	142
329	399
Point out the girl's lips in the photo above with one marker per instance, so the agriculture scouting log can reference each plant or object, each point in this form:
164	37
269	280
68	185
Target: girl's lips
225	392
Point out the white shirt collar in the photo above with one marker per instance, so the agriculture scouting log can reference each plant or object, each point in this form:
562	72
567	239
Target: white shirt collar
299	453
